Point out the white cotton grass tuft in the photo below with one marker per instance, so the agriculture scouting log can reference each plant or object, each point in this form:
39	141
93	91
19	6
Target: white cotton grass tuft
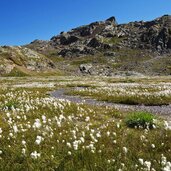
35	155
39	139
125	150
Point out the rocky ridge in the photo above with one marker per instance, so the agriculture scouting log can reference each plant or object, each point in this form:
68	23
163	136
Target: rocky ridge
103	48
109	35
123	49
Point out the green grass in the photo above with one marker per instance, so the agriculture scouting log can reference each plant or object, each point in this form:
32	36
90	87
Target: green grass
113	40
89	59
169	67
16	73
140	120
105	141
10	105
130	96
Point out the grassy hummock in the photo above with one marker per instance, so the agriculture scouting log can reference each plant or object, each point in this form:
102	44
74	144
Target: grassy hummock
140	120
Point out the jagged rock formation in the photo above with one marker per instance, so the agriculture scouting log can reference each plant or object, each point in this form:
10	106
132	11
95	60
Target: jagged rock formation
132	48
108	47
108	35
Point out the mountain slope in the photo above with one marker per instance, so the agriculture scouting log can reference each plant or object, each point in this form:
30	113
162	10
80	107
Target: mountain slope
109	48
20	61
102	48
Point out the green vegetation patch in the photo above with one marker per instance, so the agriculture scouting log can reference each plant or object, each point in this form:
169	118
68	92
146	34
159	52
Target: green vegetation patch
16	73
89	59
113	40
140	120
11	105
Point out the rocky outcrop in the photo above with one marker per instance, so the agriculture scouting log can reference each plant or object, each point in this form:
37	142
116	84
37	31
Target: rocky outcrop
86	68
118	48
65	39
158	33
111	20
76	51
12	57
104	35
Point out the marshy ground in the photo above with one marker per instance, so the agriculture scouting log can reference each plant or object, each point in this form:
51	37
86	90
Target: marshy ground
43	126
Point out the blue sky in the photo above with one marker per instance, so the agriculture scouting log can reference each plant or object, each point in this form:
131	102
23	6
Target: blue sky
23	21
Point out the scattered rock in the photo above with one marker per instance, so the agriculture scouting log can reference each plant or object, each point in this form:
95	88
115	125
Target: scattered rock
108	53
94	43
127	73
76	51
85	68
66	39
6	68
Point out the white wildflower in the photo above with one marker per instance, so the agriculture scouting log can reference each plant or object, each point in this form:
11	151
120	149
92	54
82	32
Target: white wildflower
37	124
23	142
147	164
69	153
98	135
125	150
167	167
114	141
118	125
141	161
39	139
82	139
23	151
75	145
153	146
68	144
0	130
15	128
35	155
87	119
108	133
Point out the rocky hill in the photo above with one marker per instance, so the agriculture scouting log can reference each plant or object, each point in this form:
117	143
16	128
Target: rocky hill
21	61
107	48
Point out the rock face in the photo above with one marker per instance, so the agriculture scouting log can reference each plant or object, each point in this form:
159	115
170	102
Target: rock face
158	33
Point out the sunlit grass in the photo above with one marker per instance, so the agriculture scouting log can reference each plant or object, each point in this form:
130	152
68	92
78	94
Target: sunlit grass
129	94
39	132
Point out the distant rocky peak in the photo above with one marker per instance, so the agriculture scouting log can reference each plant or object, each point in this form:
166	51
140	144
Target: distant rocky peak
164	20
111	20
164	17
